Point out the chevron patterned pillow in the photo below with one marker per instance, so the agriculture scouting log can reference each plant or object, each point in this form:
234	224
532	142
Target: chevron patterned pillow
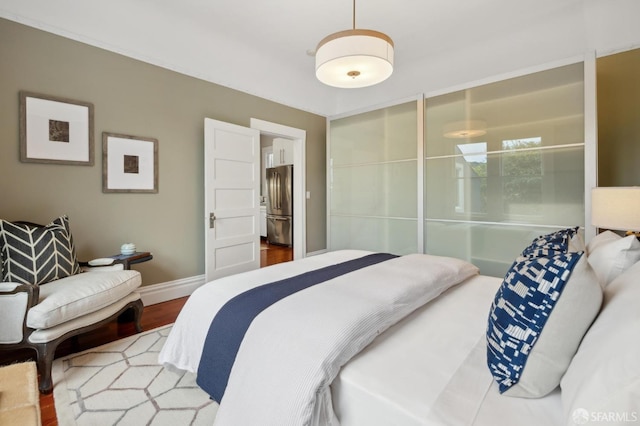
36	254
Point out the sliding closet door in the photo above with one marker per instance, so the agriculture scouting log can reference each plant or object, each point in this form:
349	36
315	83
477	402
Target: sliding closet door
504	163
372	174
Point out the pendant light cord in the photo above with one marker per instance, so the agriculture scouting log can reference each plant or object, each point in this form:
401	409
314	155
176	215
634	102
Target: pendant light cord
354	14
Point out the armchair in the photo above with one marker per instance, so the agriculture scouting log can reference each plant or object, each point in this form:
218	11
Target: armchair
41	316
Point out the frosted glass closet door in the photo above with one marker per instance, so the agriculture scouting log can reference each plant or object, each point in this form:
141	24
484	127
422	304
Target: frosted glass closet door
373	180
520	175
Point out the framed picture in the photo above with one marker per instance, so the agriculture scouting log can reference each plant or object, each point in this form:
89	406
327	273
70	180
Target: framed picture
55	130
129	164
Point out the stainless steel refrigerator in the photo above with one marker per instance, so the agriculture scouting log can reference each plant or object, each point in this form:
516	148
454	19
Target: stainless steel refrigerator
280	205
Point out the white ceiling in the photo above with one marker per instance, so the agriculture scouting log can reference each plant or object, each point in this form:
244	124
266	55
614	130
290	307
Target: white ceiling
260	47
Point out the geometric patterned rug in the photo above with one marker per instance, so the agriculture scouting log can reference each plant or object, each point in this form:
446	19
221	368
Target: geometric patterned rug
121	383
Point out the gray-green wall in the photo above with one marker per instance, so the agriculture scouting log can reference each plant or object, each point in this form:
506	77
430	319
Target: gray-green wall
619	119
134	98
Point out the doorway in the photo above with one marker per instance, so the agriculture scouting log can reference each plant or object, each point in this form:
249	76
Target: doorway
272	253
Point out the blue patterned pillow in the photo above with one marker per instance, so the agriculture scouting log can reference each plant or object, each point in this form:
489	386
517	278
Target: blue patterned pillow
551	244
520	310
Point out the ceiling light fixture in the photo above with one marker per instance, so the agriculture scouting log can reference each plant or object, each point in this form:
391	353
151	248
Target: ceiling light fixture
354	58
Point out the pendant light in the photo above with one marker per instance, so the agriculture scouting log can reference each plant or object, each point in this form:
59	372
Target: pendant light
354	58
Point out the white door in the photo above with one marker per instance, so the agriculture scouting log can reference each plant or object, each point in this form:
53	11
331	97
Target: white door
231	199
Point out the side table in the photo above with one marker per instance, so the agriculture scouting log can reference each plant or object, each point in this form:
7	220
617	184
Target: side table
131	259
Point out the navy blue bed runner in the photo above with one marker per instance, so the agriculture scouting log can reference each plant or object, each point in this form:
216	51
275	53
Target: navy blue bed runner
230	324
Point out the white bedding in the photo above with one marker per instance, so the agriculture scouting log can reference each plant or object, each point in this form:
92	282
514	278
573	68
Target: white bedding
367	303
430	369
184	347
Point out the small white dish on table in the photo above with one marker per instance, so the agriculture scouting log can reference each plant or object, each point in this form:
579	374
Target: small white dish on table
102	261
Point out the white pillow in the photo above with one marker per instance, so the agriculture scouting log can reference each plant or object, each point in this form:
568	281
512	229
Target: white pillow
602	383
610	255
601	239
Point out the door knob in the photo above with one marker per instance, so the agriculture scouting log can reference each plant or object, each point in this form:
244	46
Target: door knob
212	220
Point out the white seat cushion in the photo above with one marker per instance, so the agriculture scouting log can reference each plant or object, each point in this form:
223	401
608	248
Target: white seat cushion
45	335
72	297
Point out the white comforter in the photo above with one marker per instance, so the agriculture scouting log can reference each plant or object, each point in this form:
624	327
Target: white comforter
294	349
430	369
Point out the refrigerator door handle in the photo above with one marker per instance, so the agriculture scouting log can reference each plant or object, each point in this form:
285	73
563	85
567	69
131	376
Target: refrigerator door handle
272	192
279	193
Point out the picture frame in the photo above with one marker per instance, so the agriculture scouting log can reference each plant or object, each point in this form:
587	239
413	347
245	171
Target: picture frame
55	130
129	164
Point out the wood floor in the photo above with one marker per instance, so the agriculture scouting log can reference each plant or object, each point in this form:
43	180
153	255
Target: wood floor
152	317
270	254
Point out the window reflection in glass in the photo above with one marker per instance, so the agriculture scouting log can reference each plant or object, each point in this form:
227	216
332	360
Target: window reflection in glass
471	175
522	176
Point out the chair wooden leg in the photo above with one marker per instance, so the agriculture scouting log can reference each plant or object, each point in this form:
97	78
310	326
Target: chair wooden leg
137	308
45	353
133	313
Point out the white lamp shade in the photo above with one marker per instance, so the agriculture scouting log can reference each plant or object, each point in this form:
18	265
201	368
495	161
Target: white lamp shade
616	208
354	58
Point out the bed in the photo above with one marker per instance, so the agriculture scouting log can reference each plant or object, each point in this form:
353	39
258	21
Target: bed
425	362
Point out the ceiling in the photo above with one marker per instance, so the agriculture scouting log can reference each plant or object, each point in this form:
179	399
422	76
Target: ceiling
265	47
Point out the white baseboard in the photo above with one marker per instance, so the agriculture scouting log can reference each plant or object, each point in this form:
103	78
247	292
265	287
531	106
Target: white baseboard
162	292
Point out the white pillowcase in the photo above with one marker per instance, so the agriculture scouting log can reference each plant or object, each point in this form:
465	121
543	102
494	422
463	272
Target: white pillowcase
610	255
603	379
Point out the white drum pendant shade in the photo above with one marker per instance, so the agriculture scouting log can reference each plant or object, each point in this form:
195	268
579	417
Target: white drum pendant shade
354	58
